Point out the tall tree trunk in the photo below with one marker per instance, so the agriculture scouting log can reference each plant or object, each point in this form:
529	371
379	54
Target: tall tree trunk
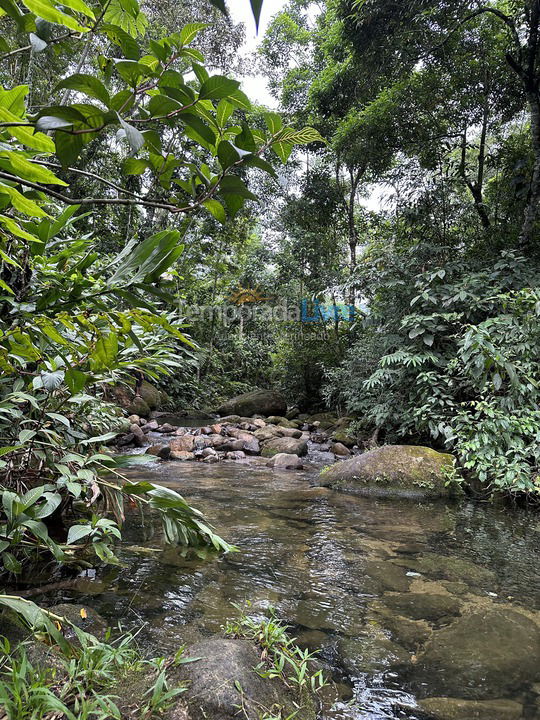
533	202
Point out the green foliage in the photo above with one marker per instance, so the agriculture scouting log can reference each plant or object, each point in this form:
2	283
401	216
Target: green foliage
78	681
282	658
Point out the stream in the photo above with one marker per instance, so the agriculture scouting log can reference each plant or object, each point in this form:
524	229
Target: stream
366	581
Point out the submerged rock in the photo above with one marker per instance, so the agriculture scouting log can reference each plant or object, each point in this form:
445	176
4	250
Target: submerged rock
483	654
372	651
423	606
392	471
223	680
452	568
259	402
456	709
411	634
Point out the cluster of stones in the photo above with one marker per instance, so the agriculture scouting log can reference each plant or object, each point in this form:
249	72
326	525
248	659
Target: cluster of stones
275	441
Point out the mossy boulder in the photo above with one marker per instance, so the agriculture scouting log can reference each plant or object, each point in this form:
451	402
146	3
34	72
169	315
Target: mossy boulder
282	421
223	679
259	402
403	471
344	438
325	420
289	446
151	395
148	399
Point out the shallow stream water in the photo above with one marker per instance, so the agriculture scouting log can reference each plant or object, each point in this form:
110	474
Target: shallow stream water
367	581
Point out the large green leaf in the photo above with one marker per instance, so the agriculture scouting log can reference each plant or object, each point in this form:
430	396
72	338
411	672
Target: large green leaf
47	10
218	87
190	31
87	84
27	170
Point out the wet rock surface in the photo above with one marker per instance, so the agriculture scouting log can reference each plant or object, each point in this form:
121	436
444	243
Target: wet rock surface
457	709
223	680
482	654
393	471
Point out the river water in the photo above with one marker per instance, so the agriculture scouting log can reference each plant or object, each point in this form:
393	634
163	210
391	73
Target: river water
367	581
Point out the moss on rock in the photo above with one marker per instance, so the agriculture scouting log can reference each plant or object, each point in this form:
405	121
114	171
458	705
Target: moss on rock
393	471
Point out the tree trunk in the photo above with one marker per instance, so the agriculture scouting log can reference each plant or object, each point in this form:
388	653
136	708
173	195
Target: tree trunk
531	211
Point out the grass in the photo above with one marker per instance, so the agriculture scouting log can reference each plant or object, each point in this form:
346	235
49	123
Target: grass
75	687
280	656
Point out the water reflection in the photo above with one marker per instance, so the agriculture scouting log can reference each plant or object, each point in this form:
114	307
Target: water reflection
368	581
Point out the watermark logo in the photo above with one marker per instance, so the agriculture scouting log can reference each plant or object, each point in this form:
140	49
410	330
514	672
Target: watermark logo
242	296
321	312
249	304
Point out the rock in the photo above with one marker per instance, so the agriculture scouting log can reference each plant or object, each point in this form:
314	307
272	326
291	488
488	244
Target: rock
339	449
423	606
344	439
456	709
372	651
386	576
452	568
231	420
392	471
139	436
166	428
138	406
92	622
126	440
278	420
211	459
289	446
259	402
223	679
236	455
250	444
151	425
323	420
259	422
151	396
185	443
134	420
282	461
288	432
267	433
209	452
161	451
485	653
215	429
292	414
410	634
181	455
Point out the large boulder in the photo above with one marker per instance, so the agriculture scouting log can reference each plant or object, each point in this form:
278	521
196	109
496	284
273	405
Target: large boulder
484	654
289	446
392	471
259	402
223	679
